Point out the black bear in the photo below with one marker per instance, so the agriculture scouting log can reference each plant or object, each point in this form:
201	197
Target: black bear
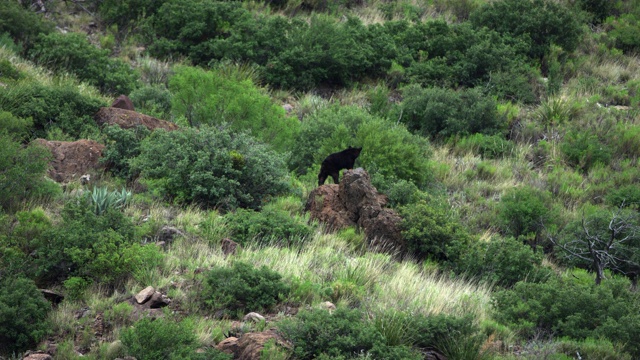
335	162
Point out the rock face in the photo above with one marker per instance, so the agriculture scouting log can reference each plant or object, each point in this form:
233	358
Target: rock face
250	345
123	102
127	119
72	159
355	202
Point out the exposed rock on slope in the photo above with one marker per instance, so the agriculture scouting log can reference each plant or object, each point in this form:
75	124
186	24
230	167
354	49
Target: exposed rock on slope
127	119
355	202
72	159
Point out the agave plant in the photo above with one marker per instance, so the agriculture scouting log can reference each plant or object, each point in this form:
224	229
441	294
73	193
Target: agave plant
102	199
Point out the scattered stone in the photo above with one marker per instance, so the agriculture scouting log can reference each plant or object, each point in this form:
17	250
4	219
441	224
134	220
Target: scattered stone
328	305
127	119
253	316
72	159
158	300
228	345
85	179
54	297
288	108
123	102
37	355
229	247
144	295
168	233
249	346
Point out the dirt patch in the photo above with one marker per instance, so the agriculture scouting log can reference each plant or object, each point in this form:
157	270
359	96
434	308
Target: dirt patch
72	159
127	119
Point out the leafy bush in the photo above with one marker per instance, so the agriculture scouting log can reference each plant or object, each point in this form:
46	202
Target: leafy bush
583	150
23	315
22	172
73	53
243	288
441	113
343	334
153	100
212	98
502	261
266	227
22	25
453	336
126	14
8	71
122	146
524	19
51	107
431	231
103	200
622	30
150	339
628	195
212	167
526	211
575	307
385	145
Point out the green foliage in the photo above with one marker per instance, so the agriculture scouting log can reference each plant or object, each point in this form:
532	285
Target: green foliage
431	231
23	315
265	227
455	337
487	146
583	150
575	307
153	100
151	339
525	211
73	53
385	145
8	71
102	200
22	25
628	195
126	13
75	287
502	261
22	171
212	98
122	146
51	107
622	32
441	113
342	334
524	19
243	288
592	349
197	165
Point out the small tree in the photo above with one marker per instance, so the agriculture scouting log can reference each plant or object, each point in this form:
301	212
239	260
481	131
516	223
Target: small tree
604	240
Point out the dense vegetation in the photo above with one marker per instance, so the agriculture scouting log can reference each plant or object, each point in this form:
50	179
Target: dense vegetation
511	153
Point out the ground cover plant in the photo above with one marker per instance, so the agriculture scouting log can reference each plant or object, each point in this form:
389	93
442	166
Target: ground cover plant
510	153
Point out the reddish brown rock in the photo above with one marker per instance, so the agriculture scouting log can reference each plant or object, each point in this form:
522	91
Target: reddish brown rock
229	247
127	119
72	159
123	102
250	345
355	202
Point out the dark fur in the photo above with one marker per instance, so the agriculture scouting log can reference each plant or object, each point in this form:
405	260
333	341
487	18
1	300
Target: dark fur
335	162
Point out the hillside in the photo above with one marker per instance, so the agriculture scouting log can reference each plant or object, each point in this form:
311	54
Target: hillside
500	146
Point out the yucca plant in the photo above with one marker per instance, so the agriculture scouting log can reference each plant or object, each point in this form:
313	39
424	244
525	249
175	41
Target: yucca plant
102	199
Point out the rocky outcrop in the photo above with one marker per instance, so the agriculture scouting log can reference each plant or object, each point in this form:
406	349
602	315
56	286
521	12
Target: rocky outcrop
250	345
123	102
355	202
72	159
127	119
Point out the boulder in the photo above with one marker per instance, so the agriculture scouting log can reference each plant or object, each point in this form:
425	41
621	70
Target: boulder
145	294
229	247
250	345
123	102
127	119
253	316
72	159
355	202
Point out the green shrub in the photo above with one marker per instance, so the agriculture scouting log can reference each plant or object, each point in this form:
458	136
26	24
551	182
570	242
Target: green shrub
23	315
526	211
583	150
622	32
628	195
51	107
341	334
431	231
243	288
592	349
213	98
441	113
8	71
75	287
487	146
455	337
268	226
573	306
201	166
102	200
524	19
21	24
22	171
502	261
73	53
128	13
122	146
151	339
153	100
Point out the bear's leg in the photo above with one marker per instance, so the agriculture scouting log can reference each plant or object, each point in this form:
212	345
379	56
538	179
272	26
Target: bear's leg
336	177
322	177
